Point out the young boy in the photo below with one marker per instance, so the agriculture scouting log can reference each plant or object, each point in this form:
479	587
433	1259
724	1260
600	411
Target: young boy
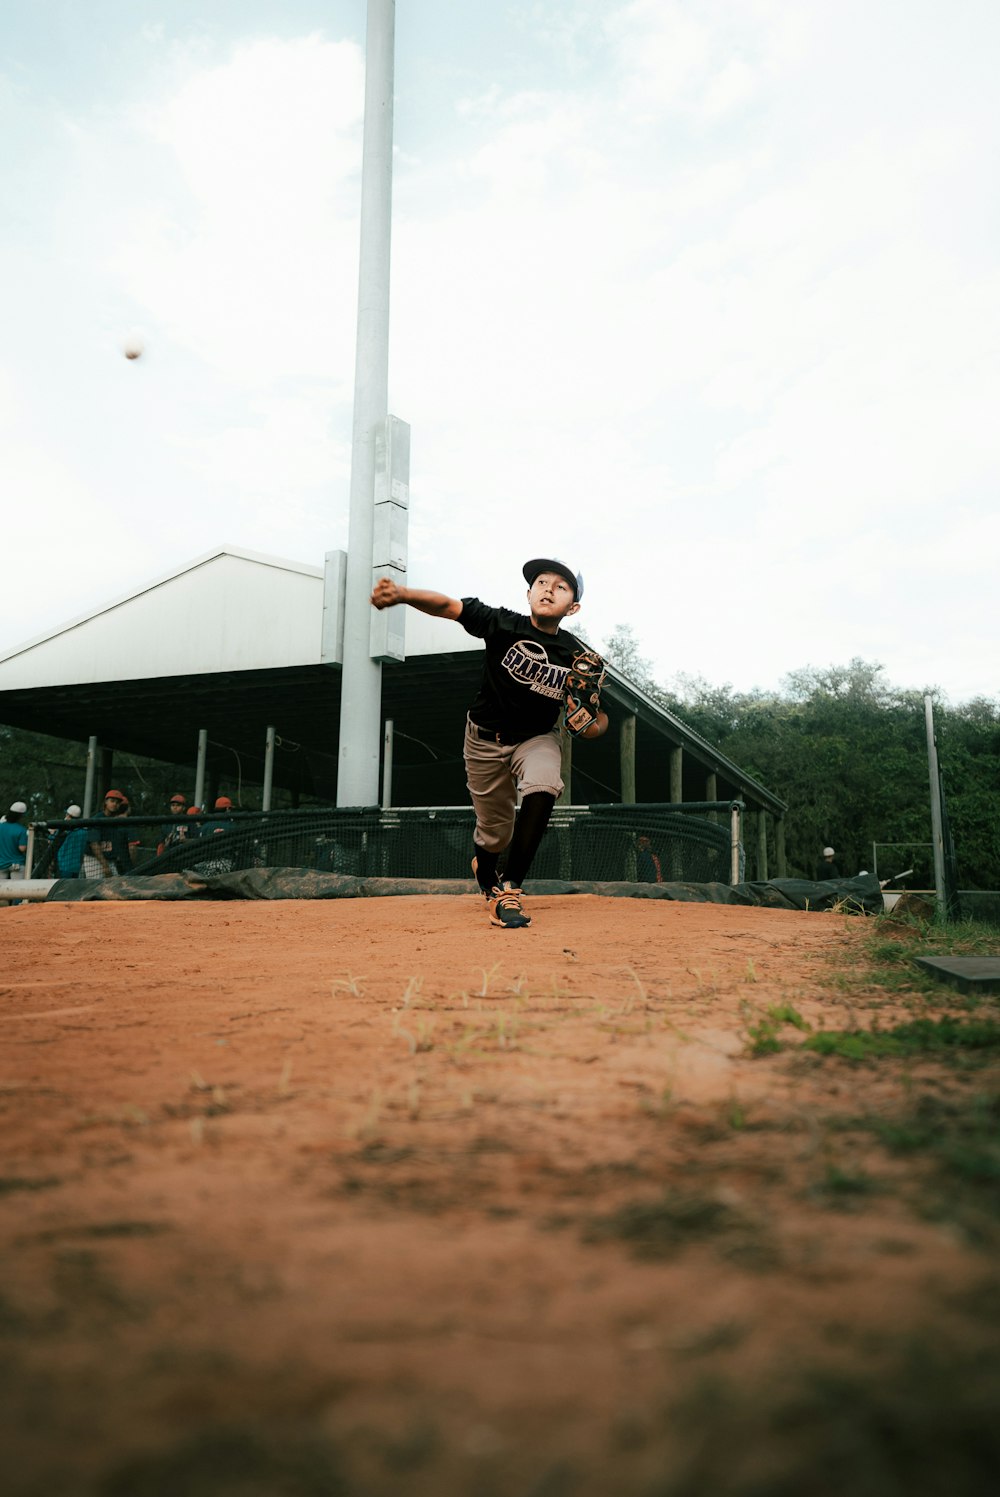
512	735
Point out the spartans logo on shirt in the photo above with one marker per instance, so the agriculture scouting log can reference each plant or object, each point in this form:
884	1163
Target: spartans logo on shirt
528	663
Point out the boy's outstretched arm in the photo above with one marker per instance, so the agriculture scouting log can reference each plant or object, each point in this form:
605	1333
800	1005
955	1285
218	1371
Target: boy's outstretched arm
386	594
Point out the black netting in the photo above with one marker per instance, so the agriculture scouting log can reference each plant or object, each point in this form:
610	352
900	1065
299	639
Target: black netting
634	844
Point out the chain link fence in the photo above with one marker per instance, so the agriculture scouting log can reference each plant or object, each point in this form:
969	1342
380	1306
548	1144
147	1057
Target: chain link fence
627	843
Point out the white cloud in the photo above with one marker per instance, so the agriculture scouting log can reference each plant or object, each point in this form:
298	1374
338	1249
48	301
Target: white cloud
703	62
716	295
70	545
286	468
250	261
790	309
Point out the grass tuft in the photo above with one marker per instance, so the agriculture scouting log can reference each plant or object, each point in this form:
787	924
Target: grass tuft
892	944
661	1228
764	1036
918	1037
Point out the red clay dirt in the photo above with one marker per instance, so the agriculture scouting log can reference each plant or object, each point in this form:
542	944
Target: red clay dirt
366	1197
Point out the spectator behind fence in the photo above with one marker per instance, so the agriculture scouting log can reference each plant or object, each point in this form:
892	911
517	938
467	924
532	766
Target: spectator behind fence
176	831
220	823
48	862
109	850
827	868
648	869
70	845
13	844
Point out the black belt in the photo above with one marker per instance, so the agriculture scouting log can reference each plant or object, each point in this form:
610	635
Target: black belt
488	735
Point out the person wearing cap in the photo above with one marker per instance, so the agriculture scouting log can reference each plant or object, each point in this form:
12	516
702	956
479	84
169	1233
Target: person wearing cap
176	830
109	850
513	730
220	822
827	868
13	844
70	845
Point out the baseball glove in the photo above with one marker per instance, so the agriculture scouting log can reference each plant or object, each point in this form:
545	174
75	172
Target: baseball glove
584	680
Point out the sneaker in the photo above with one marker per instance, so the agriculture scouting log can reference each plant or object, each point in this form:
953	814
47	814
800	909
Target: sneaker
486	893
505	908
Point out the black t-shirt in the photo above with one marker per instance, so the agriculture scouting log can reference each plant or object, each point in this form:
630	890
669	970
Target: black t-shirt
112	836
221	824
524	675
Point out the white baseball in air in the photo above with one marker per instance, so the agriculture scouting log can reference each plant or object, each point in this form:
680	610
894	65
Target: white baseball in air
133	345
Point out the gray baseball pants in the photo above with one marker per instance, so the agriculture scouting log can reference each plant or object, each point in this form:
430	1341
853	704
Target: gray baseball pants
495	772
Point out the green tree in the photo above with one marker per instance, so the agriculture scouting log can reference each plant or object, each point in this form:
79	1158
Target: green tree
46	773
49	774
621	648
848	751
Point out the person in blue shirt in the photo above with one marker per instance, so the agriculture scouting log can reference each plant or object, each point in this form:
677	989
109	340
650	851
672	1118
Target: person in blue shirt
71	846
13	844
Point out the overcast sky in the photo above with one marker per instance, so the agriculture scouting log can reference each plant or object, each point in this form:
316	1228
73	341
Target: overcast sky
701	297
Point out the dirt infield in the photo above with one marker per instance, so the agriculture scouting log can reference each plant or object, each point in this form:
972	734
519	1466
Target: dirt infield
364	1197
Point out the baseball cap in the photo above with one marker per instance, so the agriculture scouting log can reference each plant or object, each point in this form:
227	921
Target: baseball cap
533	569
223	803
828	852
18	808
72	812
116	795
178	799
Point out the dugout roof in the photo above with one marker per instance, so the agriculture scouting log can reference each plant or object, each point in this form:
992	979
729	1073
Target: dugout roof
233	643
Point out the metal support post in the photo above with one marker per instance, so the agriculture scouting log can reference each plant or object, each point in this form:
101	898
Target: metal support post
711	791
627	752
734	844
265	796
676	775
29	856
937	823
762	845
387	741
361	681
779	846
88	788
199	773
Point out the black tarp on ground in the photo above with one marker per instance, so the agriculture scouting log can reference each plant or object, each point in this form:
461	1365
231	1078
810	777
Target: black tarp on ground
856	895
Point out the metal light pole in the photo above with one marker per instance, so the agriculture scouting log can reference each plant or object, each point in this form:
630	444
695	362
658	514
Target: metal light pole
199	771
88	788
361	679
937	826
268	786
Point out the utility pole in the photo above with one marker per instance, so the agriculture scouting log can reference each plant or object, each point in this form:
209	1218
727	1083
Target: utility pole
937	821
361	677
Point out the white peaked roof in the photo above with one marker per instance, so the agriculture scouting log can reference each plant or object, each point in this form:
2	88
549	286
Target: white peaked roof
229	610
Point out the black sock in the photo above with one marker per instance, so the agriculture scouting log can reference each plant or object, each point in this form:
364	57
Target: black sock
529	829
486	866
